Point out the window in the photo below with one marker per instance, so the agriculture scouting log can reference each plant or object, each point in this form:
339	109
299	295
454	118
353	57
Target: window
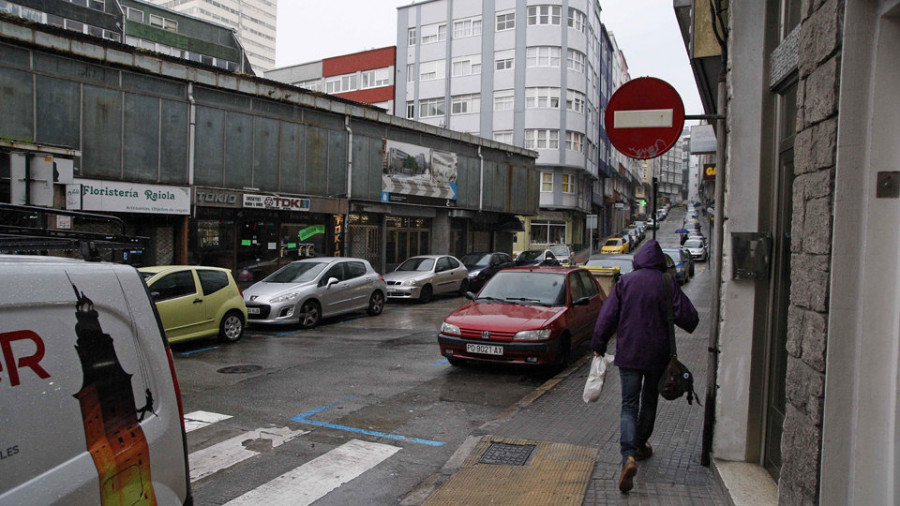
467	28
576	60
212	281
465	104
341	84
542	56
171	25
576	19
544	15
431	70
411	72
410	109
355	270
467	65
504	60
504	136
135	15
575	141
75	26
542	98
504	100
506	21
546	182
575	101
376	78
548	232
177	284
568	183
541	139
431	108
411	34
156	21
313	84
434	33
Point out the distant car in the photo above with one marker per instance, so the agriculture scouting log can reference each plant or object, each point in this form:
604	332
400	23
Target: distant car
563	253
614	246
697	249
690	261
652	224
194	301
483	265
682	268
305	291
424	276
533	316
625	263
542	257
634	237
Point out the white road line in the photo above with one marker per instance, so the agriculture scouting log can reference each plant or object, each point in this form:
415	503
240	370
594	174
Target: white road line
199	419
315	479
232	451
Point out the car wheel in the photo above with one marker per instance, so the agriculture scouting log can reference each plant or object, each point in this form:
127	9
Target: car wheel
376	303
231	328
426	294
310	314
463	287
563	354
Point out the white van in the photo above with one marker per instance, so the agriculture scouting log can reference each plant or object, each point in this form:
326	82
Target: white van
90	410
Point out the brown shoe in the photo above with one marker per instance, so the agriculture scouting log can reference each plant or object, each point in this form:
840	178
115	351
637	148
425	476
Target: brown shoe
626	480
644	453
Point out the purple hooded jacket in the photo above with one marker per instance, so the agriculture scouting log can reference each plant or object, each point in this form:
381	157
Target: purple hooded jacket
635	309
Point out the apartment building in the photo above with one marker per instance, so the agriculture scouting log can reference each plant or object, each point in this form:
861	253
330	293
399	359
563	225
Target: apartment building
253	20
527	75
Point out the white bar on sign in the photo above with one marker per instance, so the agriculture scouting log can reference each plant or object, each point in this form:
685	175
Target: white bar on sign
649	118
315	479
199	419
232	451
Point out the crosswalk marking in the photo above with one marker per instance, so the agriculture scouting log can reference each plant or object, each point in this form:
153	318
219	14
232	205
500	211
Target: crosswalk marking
318	477
199	419
232	451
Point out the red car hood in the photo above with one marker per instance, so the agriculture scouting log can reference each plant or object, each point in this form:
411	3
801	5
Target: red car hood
503	317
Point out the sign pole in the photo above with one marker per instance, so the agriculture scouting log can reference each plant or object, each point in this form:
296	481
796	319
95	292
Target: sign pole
653	206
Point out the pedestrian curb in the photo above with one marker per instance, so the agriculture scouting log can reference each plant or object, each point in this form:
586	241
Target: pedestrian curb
429	485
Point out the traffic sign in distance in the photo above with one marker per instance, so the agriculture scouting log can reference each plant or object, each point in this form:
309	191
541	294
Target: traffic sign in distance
644	118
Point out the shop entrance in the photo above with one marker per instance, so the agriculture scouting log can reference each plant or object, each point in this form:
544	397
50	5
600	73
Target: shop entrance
406	237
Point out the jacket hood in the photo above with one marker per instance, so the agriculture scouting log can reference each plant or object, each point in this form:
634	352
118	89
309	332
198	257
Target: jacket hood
650	256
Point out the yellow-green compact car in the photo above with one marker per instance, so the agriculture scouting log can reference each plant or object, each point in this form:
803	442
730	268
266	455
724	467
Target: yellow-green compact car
614	246
195	301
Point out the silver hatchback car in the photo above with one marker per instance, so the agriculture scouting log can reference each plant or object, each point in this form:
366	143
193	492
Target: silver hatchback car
305	291
424	276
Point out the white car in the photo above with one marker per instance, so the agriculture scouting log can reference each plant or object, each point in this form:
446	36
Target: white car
424	276
697	248
305	291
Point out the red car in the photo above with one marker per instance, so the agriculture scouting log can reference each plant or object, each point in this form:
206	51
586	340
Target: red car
534	316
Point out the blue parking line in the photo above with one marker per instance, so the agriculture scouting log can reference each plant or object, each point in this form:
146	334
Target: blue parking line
442	362
186	353
304	418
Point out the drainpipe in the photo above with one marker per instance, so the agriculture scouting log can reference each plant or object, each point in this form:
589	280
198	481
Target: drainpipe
481	182
192	137
346	230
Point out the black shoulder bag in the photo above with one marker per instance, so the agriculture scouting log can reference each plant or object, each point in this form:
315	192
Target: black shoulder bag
676	379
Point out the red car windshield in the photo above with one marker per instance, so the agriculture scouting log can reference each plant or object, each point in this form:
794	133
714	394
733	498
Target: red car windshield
547	288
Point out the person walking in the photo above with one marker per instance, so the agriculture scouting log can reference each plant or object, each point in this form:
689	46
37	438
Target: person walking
636	312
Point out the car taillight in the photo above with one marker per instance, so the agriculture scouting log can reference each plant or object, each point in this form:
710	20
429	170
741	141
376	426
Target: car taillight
381	277
175	384
241	292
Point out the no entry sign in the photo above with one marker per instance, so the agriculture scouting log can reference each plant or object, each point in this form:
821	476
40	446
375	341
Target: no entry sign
644	118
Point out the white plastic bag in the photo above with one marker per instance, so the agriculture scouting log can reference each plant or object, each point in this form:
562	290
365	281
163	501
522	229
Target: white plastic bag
596	377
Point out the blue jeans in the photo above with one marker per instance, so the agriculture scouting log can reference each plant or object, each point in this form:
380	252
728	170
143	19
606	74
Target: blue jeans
639	399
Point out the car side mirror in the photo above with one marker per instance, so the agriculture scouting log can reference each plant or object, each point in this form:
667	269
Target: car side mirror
470	295
584	301
332	280
155	295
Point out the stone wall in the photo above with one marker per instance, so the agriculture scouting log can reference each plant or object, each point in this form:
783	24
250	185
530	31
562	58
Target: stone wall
812	233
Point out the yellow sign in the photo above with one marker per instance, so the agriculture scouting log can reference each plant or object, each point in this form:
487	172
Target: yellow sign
709	171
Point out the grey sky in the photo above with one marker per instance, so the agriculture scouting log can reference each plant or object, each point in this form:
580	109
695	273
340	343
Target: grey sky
645	30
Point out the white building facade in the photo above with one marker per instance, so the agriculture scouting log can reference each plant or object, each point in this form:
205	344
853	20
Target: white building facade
254	21
522	74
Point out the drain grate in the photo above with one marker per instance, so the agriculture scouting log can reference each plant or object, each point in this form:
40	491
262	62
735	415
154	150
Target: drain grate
504	454
239	369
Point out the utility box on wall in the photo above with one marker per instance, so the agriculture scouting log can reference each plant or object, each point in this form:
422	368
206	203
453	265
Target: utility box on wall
752	255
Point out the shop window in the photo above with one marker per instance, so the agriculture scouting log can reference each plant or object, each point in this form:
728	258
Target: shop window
548	232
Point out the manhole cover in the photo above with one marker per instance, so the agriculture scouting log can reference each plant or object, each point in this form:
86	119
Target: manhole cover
507	455
239	369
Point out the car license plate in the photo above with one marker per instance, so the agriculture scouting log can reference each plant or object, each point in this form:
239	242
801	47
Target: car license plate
484	349
253	310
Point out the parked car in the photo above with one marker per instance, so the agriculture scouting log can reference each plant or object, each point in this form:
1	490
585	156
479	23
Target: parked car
483	265
533	316
652	223
305	291
196	301
624	263
563	253
424	276
91	411
542	257
690	261
697	249
634	237
682	272
614	246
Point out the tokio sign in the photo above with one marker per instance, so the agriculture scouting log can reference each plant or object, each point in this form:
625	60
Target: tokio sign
644	118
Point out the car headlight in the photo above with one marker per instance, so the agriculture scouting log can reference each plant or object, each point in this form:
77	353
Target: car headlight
284	298
474	274
411	282
449	328
532	335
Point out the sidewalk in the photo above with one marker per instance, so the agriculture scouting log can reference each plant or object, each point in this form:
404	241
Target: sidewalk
556	449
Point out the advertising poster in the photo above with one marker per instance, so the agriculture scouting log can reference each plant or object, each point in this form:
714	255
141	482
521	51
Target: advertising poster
418	175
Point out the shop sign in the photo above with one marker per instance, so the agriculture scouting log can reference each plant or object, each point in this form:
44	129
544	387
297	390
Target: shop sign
276	202
709	172
121	197
308	232
217	198
338	234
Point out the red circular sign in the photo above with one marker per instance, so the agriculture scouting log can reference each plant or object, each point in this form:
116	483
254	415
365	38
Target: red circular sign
644	118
